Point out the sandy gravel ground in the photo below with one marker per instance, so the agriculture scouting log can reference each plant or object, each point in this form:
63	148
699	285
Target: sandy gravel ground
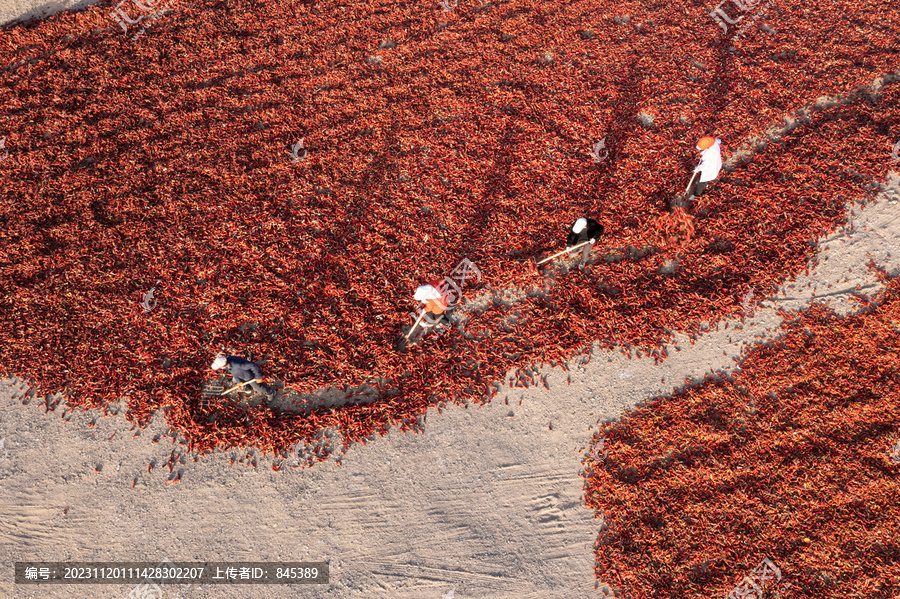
13	10
484	503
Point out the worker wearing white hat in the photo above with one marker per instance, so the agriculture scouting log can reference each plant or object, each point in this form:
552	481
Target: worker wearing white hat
584	230
435	302
241	371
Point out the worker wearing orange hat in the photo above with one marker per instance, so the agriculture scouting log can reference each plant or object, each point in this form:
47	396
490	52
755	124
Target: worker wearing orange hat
710	164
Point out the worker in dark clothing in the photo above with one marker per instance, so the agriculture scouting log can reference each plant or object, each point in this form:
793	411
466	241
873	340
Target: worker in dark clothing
584	229
241	371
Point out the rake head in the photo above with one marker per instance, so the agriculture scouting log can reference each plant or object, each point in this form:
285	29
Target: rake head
209	394
212	391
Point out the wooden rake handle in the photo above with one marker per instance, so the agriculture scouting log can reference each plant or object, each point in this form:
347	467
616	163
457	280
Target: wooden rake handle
418	320
239	386
691	182
571	249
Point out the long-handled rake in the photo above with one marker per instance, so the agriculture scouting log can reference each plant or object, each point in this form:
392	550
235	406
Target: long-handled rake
691	182
404	341
241	385
571	249
681	200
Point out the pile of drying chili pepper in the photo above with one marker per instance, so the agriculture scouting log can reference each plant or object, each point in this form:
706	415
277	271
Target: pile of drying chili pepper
164	162
676	227
790	459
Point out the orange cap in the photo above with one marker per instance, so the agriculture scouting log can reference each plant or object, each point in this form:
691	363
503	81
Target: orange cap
706	143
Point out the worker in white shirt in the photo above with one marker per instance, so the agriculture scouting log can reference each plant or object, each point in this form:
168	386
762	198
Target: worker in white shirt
709	167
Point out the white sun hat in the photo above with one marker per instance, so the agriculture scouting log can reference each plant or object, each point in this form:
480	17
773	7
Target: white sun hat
219	362
426	292
579	225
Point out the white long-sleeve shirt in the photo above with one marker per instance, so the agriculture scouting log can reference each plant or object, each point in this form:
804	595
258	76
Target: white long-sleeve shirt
710	162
